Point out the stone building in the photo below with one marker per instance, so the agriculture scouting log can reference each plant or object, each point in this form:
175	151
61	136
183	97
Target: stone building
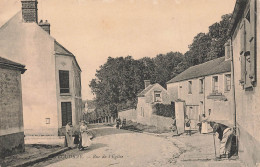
11	108
203	89
152	94
52	84
245	28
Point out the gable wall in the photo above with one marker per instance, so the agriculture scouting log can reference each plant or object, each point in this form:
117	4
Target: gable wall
28	44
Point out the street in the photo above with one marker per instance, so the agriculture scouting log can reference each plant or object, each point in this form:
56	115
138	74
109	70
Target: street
113	147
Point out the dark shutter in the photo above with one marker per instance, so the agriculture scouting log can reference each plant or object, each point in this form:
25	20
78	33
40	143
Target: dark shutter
242	51
64	81
66	113
252	74
242	38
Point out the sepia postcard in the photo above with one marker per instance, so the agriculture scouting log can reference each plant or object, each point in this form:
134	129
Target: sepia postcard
129	83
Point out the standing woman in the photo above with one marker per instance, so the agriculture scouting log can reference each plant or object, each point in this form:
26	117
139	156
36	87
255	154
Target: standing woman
69	133
187	125
85	136
204	126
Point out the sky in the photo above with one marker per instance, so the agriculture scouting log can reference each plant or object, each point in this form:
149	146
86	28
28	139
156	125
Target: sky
93	30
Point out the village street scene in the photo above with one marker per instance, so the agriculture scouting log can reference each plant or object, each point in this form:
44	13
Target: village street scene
147	83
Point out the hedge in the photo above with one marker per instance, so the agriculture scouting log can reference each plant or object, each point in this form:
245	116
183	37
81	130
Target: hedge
165	110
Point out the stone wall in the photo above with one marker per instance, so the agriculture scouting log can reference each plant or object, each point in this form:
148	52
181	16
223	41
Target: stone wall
161	122
11	112
130	114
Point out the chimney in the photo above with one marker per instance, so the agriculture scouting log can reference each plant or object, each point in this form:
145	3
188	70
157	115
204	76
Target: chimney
45	26
146	83
30	11
227	50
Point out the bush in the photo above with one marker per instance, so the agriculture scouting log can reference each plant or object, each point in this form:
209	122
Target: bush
165	110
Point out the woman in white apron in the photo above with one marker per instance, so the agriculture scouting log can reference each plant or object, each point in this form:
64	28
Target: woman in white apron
85	136
69	138
204	125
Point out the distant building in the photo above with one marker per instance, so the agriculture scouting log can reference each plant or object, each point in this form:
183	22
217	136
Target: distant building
52	83
245	41
11	108
203	89
152	94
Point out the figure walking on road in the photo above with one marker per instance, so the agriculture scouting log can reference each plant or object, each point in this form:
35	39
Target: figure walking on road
69	133
85	136
187	125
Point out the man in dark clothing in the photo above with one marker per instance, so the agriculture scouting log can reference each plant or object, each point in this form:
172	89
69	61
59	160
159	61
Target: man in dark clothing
225	137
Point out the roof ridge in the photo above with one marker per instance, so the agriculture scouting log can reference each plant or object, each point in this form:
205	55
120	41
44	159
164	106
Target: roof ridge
8	21
215	66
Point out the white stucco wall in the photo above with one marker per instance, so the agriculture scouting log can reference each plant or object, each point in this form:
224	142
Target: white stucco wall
28	44
220	110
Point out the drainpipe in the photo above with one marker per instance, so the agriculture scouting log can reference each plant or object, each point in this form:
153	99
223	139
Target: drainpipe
233	94
204	87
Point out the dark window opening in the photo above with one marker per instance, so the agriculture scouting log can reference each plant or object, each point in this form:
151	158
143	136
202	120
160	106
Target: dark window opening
66	113
64	81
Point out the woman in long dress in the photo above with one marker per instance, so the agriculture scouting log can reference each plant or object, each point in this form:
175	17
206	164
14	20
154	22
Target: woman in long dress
85	137
187	125
69	137
204	126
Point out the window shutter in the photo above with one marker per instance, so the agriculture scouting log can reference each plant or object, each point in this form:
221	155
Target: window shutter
252	74
242	37
243	68
242	51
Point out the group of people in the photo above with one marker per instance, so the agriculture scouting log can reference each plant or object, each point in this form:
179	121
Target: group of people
225	133
118	123
78	137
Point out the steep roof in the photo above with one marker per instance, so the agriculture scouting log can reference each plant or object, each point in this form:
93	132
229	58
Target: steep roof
216	66
237	14
10	64
17	21
61	50
146	90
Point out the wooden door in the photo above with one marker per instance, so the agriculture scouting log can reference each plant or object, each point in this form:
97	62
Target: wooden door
66	113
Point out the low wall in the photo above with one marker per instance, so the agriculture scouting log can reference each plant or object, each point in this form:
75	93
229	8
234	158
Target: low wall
161	122
130	114
11	144
158	121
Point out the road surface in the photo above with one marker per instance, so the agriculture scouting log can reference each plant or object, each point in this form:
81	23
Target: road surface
113	147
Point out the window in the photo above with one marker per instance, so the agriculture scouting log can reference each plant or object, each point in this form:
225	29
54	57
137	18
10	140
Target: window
157	96
201	85
190	87
227	82
66	113
47	120
215	84
64	81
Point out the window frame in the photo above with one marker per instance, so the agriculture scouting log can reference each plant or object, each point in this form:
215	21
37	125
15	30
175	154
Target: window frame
201	85
214	85
225	82
156	93
67	89
189	87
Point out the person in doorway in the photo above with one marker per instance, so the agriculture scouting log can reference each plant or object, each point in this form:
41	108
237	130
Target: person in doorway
69	133
225	136
84	136
187	125
204	124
